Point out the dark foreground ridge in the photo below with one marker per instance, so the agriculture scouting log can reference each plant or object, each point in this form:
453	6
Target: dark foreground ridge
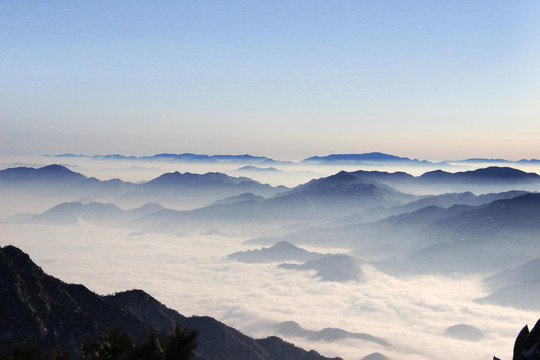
38	309
527	345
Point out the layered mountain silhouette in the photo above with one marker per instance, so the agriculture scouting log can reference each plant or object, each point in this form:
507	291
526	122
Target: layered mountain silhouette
460	238
518	287
318	201
340	193
239	198
444	201
197	188
93	212
527	271
486	238
359	210
484	180
54	184
40	309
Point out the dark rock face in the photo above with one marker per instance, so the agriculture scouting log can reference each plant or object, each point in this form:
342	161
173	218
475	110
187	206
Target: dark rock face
527	346
49	313
40	309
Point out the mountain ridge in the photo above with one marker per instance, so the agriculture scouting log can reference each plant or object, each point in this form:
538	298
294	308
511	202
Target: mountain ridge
42	309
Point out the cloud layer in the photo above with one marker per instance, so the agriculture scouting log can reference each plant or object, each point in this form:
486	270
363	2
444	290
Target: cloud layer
192	275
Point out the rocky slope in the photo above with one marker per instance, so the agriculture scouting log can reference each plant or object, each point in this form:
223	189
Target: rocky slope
40	309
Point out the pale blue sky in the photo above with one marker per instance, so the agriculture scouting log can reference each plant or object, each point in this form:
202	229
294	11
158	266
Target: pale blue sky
287	79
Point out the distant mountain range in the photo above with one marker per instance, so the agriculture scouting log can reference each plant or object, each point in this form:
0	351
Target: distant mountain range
500	161
180	190
357	158
38	308
185	157
221	202
490	179
430	233
361	158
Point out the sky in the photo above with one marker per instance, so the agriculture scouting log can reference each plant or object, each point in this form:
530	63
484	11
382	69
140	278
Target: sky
286	79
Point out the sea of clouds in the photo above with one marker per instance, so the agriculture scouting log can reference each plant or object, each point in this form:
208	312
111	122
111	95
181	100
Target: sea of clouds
191	274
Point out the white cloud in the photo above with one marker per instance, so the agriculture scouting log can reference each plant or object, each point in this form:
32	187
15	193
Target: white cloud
191	275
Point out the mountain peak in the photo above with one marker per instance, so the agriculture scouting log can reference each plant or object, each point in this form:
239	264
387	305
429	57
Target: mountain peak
51	314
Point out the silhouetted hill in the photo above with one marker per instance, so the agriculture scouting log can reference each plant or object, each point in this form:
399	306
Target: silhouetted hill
528	271
342	192
281	251
46	174
38	308
291	328
105	214
522	295
492	174
239	198
251	168
189	179
337	268
464	332
375	356
359	158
